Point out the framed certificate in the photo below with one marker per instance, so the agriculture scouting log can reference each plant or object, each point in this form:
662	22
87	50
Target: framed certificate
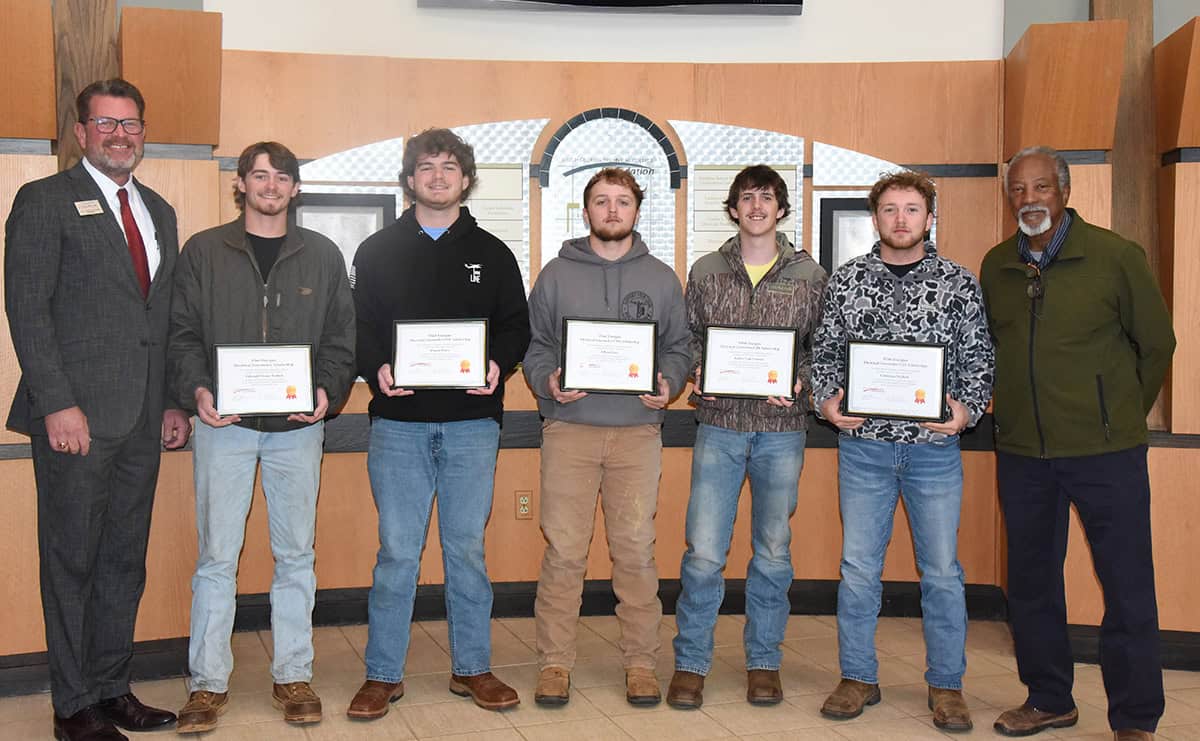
895	380
609	356
440	354
255	380
750	362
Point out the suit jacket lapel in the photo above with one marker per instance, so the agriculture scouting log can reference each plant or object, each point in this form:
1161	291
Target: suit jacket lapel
164	233
87	190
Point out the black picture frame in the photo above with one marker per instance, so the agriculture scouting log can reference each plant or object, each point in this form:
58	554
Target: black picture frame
564	381
943	407
790	376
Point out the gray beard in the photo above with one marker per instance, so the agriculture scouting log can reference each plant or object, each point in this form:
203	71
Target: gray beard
1033	231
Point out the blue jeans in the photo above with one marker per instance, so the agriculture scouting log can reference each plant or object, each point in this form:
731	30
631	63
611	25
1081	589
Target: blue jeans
871	474
408	462
224	460
721	459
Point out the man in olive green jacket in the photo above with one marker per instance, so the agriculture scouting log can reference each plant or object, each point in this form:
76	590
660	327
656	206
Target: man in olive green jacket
1083	341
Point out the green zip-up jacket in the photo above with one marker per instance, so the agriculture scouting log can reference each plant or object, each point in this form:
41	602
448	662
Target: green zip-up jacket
1078	369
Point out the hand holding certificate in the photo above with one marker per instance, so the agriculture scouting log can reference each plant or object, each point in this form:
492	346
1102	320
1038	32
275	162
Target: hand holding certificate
263	380
609	356
895	380
749	362
440	354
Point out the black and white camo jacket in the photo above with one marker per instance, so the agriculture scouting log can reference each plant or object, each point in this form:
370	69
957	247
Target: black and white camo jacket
938	301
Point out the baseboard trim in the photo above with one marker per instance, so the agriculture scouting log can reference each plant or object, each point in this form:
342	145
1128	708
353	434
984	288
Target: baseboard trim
24	674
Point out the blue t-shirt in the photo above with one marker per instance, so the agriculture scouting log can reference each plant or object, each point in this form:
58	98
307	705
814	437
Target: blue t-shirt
435	232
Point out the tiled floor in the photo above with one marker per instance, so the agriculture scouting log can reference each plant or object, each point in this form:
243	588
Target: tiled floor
598	709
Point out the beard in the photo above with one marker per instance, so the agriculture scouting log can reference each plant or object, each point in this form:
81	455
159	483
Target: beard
613	232
913	239
110	165
1040	228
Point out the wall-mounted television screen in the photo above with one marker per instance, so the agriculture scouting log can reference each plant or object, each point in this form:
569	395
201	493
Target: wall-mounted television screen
760	7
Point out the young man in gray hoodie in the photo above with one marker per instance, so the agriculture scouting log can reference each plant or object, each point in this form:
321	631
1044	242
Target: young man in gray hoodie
606	444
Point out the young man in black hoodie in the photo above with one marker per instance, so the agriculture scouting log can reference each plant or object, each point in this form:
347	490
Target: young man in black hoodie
434	263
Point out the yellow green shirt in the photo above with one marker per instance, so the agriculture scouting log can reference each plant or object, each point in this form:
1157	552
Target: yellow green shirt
756	272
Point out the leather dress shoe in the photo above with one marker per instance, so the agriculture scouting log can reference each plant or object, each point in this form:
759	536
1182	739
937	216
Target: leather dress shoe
129	713
1027	720
762	687
686	691
486	690
87	725
373	698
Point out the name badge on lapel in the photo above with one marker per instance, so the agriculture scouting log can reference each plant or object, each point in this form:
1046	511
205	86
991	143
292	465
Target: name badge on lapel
89	208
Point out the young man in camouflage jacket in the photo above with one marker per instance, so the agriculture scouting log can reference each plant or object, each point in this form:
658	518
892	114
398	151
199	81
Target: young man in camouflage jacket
903	292
756	279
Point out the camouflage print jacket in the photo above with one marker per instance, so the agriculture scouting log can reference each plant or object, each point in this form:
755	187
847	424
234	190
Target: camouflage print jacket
789	295
938	301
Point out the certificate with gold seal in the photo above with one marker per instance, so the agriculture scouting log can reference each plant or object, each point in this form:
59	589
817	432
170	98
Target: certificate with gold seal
440	354
749	362
895	380
255	380
609	356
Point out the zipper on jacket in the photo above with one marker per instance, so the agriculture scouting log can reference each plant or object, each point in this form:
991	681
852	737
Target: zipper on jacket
1037	415
1103	407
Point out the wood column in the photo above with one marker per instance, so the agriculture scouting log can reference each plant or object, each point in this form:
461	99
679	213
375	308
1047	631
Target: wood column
1134	160
85	50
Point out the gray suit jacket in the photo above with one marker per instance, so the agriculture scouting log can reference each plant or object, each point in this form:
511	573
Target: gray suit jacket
83	334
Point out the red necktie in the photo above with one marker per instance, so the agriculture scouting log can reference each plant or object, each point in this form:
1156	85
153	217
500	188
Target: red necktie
137	249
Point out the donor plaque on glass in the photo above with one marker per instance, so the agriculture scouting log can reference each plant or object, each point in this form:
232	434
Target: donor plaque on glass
263	380
440	354
609	356
751	362
895	380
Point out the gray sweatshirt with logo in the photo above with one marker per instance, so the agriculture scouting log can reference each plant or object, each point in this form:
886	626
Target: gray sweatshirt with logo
581	284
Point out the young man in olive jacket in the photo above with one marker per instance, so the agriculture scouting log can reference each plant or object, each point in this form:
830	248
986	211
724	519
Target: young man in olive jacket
259	279
1083	341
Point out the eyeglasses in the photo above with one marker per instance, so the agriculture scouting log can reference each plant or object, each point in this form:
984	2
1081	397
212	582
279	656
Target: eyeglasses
106	125
1035	289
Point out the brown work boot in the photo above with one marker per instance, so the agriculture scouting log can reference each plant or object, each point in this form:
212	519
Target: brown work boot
949	709
686	690
297	701
200	712
1132	734
373	699
762	687
849	698
641	686
1028	720
553	687
486	690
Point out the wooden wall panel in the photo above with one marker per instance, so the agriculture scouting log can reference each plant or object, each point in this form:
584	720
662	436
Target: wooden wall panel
968	219
265	93
15	171
1062	82
1091	194
1179	187
27	109
24	631
188	185
1177	88
1174	519
174	57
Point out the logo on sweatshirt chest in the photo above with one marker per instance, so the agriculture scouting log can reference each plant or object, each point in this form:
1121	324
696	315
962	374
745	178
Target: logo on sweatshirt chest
474	271
637	306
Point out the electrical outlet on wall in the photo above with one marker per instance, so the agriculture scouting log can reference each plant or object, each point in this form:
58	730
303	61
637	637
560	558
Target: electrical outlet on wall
524	500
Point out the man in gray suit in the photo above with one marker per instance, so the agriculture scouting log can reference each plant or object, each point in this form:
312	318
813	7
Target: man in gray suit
88	259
